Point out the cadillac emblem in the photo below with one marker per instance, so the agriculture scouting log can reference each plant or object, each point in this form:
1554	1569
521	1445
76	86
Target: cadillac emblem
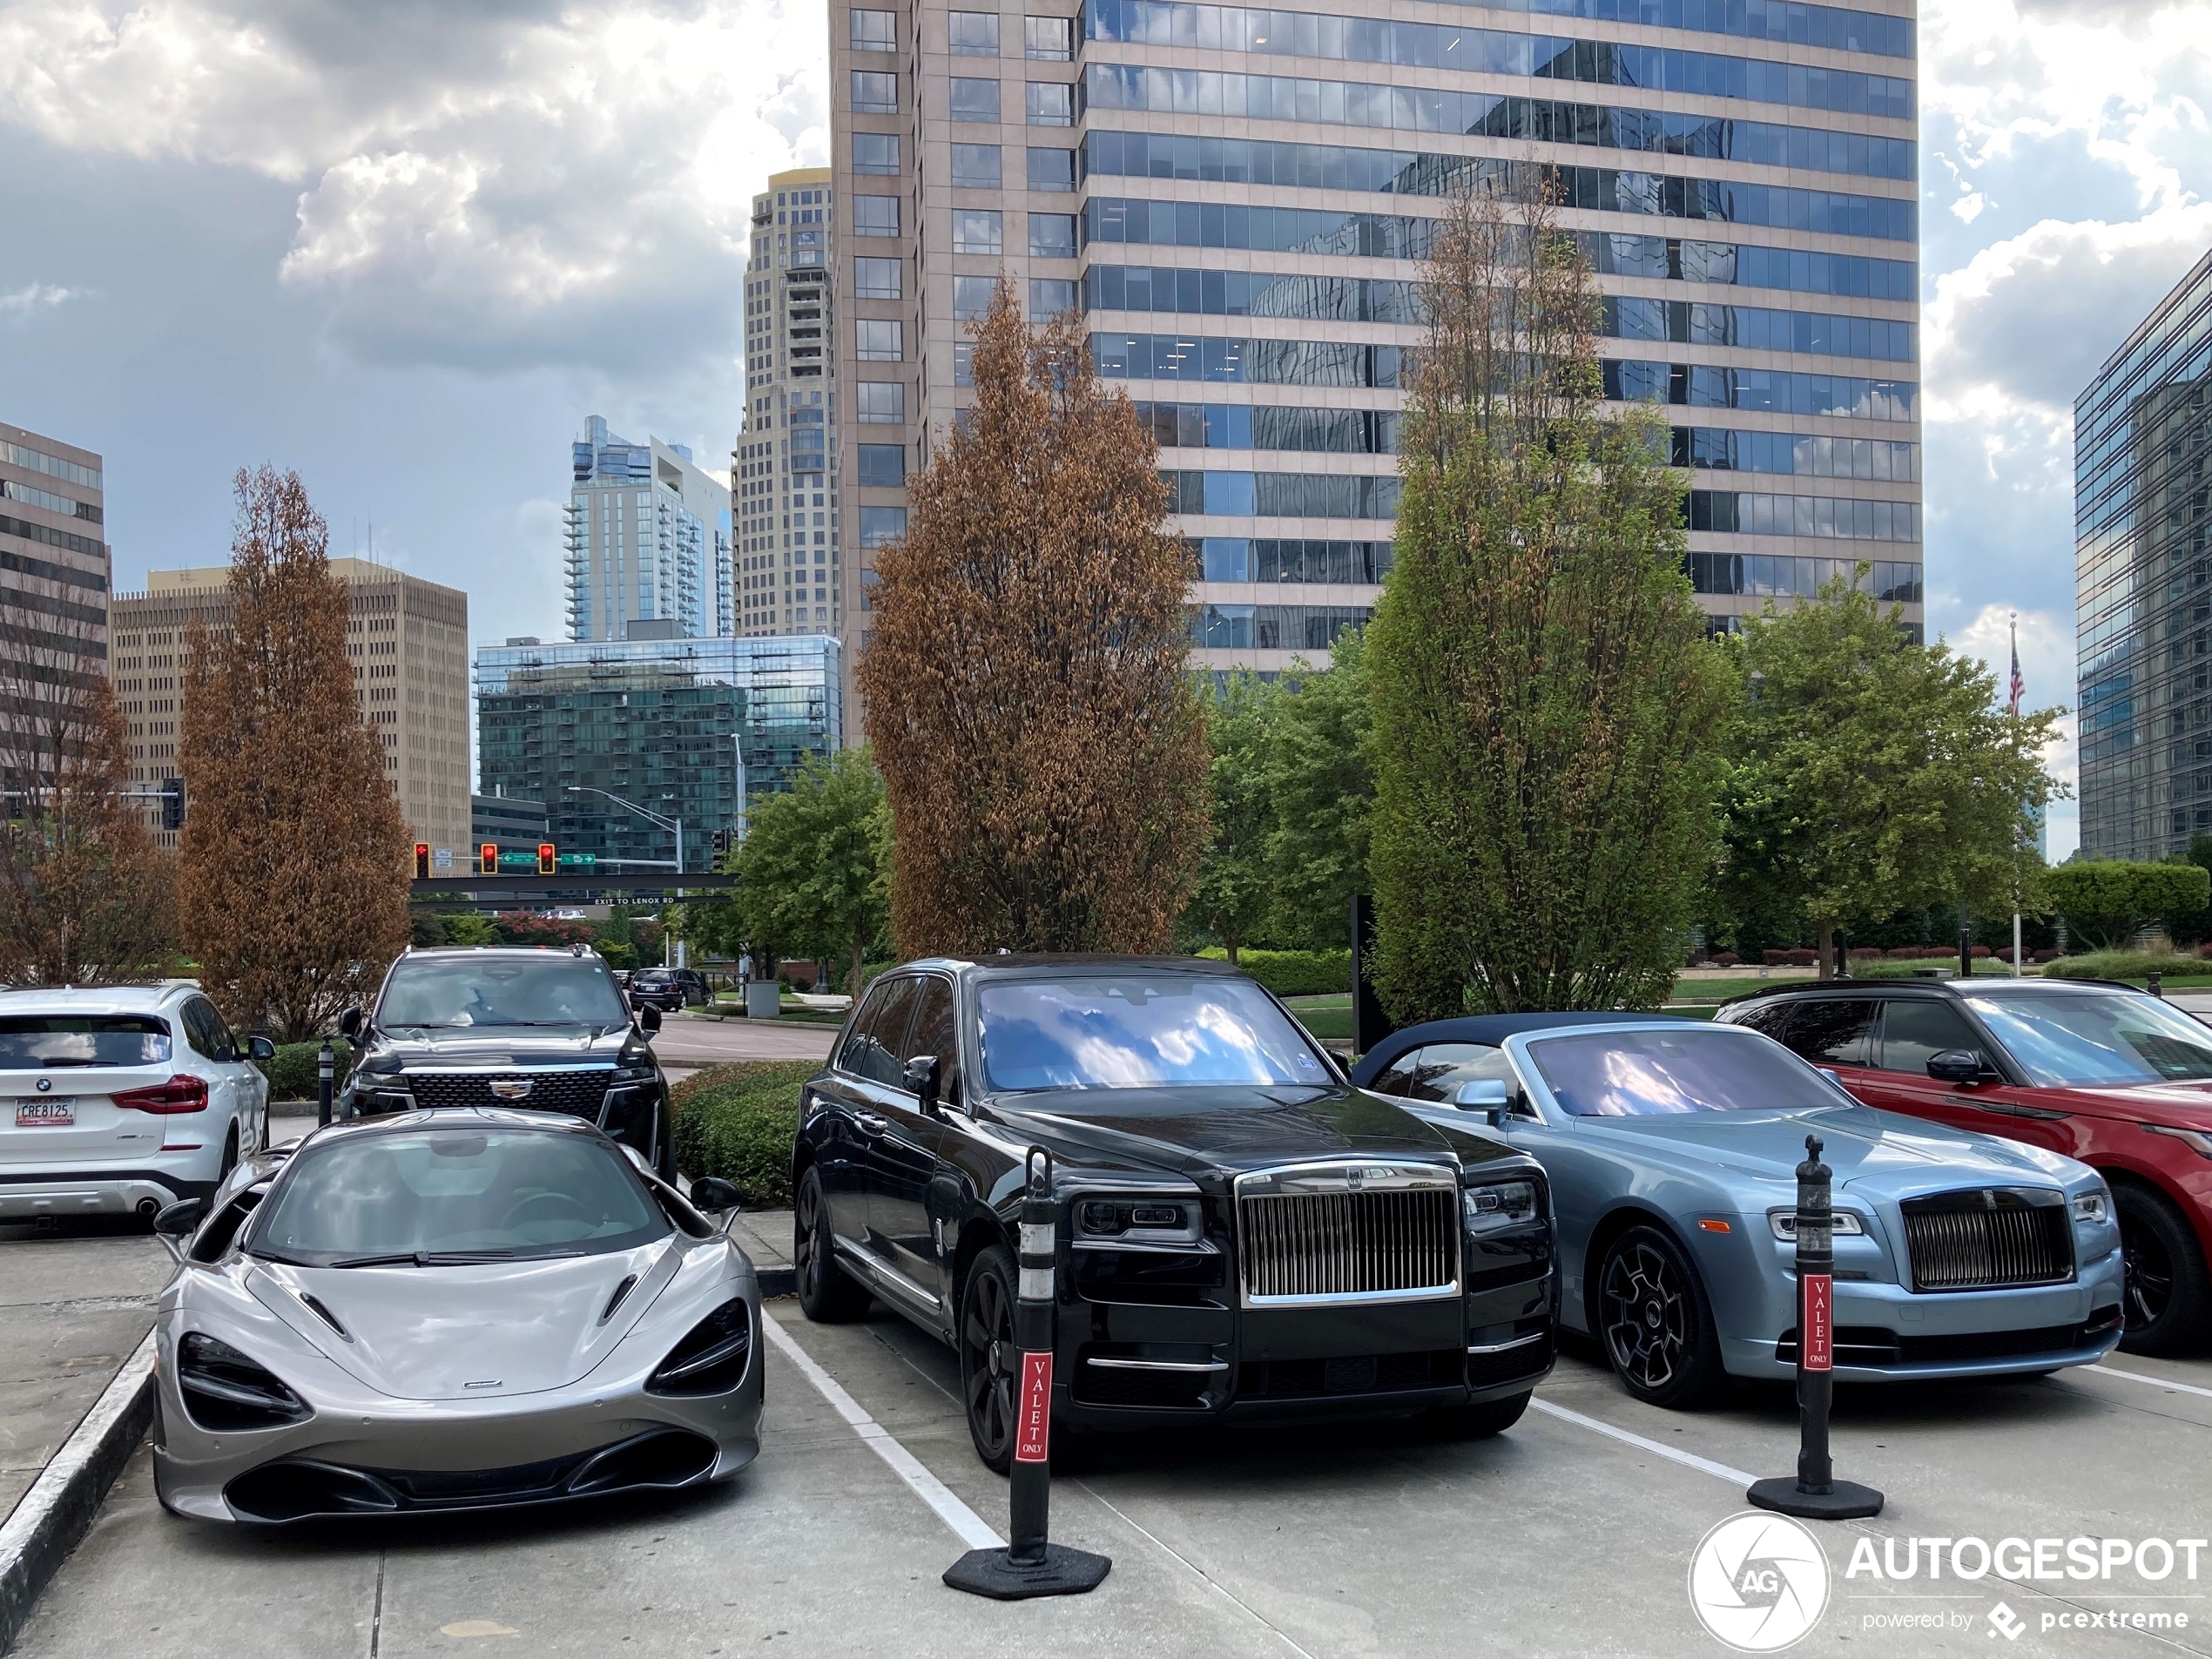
511	1087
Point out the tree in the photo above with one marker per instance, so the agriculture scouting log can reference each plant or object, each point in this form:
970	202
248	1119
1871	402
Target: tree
1321	779
294	859
1042	750
814	869
1547	711
2109	901
85	896
1871	774
1234	894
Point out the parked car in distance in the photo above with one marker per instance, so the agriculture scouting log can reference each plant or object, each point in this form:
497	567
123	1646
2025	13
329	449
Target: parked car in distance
1243	1235
534	1026
1671	1147
669	988
449	1310
122	1100
2100	1072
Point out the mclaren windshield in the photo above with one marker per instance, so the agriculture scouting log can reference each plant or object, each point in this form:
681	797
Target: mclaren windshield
447	1196
441	993
1139	1031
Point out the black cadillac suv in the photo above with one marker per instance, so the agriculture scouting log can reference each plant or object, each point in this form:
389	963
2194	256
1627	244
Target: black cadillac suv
539	1028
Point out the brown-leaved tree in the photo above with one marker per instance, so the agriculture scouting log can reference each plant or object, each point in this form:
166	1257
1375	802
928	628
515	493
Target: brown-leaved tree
1043	751
294	861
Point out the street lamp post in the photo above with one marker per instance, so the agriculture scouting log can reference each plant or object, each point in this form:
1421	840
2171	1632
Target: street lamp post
675	824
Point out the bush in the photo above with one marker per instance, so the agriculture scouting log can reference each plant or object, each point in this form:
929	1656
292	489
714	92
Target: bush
1800	958
2043	956
291	1071
1725	959
739	1121
2121	964
1866	954
1293	973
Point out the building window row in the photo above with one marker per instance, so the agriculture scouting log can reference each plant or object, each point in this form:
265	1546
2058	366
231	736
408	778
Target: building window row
1283	494
1727	512
1307	628
1256	363
1491	115
1779	575
90	546
1235	558
18	455
1244	426
1044	104
68	506
1770	390
1496	52
1723	449
1835	28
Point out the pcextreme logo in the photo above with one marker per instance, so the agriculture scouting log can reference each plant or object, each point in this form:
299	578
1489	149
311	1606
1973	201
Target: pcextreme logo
1758	1582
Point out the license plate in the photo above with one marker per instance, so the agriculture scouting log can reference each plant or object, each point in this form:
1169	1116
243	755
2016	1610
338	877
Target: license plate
45	1114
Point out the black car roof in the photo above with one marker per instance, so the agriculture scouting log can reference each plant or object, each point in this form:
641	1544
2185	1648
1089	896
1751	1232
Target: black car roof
1488	1029
1991	985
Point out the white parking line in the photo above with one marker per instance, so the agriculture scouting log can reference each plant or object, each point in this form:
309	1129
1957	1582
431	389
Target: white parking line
2156	1382
1673	1453
969	1527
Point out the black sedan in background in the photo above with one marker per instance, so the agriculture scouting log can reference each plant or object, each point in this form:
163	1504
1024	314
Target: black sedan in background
1243	1235
668	989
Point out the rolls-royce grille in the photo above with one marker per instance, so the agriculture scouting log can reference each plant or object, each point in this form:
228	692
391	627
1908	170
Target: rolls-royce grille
1988	1239
1349	1244
579	1090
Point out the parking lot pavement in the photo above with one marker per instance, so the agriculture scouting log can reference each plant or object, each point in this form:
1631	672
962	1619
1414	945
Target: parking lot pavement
686	1041
74	1302
1571	1534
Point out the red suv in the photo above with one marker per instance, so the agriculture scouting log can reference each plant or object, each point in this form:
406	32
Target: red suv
2097	1071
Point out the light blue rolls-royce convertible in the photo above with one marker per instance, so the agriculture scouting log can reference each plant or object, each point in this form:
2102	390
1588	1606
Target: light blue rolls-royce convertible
1671	1147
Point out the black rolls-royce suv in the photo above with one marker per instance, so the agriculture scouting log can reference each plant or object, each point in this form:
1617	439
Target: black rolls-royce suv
1244	1235
537	1029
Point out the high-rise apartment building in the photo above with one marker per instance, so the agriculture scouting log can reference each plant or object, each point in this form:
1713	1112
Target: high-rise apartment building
2142	454
1238	199
783	474
648	540
409	643
54	580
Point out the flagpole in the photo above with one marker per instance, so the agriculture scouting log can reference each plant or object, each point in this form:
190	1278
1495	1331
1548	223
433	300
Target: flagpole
2014	687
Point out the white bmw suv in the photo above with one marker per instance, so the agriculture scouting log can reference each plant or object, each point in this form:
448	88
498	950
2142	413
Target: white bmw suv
121	1100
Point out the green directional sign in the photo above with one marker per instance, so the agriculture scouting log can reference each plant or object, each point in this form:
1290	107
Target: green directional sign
579	861
525	862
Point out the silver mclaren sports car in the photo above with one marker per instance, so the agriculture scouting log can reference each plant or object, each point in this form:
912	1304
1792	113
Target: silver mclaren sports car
450	1310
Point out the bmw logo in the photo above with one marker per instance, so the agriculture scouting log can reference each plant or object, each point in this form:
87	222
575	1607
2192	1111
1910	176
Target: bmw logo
45	1083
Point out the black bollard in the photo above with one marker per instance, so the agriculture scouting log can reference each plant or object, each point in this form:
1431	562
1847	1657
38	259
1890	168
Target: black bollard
1965	953
1815	1494
326	1067
1031	1564
2152	986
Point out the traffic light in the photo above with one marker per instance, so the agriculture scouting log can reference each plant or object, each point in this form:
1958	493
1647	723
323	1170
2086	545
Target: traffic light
488	858
422	861
172	803
721	845
545	858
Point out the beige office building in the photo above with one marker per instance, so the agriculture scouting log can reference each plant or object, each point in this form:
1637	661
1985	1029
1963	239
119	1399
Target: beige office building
1238	198
783	475
409	640
54	579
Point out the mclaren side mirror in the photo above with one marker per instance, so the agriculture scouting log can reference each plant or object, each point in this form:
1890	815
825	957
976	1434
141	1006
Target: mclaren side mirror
349	1024
649	1018
712	1193
259	1049
178	1219
1489	1095
1955	1065
920	1078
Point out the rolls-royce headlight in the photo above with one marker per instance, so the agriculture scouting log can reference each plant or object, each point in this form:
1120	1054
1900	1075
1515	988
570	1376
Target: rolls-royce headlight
2092	1208
1147	1220
1841	1224
1495	1208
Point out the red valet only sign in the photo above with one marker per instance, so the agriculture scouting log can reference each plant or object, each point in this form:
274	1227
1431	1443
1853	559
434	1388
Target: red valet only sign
1032	1423
1820	1322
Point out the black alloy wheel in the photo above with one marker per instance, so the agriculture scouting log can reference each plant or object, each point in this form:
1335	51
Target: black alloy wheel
1655	1321
827	1294
990	1364
2165	1298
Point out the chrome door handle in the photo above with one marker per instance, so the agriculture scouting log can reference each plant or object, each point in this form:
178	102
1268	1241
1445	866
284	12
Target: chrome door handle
871	1122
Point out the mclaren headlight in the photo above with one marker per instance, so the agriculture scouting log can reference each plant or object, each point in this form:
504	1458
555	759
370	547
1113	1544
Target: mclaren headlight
1499	1206
712	1359
226	1393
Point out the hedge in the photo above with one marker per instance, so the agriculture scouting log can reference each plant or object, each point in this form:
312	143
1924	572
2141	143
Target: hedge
2121	964
1294	973
291	1072
737	1122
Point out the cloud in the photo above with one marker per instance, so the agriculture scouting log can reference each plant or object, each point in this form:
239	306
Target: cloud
27	302
488	185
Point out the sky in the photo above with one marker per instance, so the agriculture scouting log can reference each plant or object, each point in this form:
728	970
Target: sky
408	247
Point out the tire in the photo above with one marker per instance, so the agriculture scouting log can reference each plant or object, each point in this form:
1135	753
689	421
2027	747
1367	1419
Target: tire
1656	1323
990	1367
230	1156
1478	1422
2166	1299
827	1294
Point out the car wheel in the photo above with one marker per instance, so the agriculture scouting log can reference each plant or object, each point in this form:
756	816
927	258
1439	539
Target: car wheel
827	1294
1478	1422
1655	1321
990	1365
230	1156
2165	1297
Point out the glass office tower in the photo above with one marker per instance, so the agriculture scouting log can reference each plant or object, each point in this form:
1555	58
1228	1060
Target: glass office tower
647	536
2142	439
1238	198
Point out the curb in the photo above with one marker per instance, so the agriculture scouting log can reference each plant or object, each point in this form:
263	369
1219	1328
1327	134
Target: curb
774	1281
59	1509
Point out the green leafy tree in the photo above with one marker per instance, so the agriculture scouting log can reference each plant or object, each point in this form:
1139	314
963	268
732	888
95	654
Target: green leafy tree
466	927
1547	711
1322	780
814	868
1871	774
1234	893
2106	902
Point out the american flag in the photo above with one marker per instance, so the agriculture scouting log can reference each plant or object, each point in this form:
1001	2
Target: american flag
2019	685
